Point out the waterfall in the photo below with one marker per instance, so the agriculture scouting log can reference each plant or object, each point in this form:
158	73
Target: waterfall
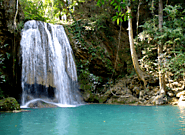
48	67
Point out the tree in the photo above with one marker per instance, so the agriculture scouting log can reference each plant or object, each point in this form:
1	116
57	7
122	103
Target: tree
118	17
160	51
50	11
139	72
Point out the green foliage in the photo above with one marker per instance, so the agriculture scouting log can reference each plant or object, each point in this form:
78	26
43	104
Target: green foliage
47	10
4	57
172	38
1	94
33	10
173	27
2	64
9	104
176	65
119	7
83	31
88	81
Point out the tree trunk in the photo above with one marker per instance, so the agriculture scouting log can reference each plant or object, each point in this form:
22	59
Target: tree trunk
14	43
137	17
160	51
139	72
60	8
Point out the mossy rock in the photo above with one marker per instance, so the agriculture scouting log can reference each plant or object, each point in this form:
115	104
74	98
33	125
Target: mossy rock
90	97
9	104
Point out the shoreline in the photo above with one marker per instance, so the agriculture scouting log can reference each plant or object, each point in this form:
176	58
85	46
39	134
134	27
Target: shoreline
147	105
15	111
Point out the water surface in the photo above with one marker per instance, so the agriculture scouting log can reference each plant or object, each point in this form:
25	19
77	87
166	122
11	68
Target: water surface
96	120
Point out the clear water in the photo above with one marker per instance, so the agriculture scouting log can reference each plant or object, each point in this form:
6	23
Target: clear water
96	120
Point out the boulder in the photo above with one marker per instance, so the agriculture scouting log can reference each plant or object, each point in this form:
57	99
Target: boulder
126	99
180	93
9	104
40	104
137	90
159	100
141	94
170	94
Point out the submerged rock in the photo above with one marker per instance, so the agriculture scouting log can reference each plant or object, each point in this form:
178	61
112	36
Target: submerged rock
9	104
40	104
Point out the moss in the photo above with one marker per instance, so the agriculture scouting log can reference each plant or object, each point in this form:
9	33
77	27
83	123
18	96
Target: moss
103	99
9	104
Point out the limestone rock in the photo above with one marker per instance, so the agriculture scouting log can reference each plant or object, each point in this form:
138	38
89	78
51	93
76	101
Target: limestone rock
159	100
180	93
126	99
137	90
170	94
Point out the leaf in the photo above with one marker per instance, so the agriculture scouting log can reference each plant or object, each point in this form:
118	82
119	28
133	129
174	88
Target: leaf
115	4
119	8
125	18
122	15
118	21
121	19
112	2
114	18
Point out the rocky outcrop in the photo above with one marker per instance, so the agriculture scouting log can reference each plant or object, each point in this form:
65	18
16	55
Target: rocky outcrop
9	104
130	90
9	46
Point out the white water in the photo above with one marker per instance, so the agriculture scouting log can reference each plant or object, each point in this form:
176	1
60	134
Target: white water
48	68
45	100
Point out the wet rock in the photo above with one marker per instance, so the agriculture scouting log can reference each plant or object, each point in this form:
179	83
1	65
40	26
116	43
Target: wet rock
40	104
90	97
86	96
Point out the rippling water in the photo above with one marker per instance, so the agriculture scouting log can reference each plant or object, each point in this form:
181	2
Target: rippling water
96	120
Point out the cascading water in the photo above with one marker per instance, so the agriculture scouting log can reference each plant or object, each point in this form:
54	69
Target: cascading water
48	68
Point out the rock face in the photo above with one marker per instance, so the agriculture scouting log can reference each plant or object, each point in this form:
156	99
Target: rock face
9	46
98	54
9	104
7	14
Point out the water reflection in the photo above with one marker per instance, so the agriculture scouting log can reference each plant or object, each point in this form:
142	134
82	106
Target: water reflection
96	120
182	119
50	121
64	121
39	121
182	114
